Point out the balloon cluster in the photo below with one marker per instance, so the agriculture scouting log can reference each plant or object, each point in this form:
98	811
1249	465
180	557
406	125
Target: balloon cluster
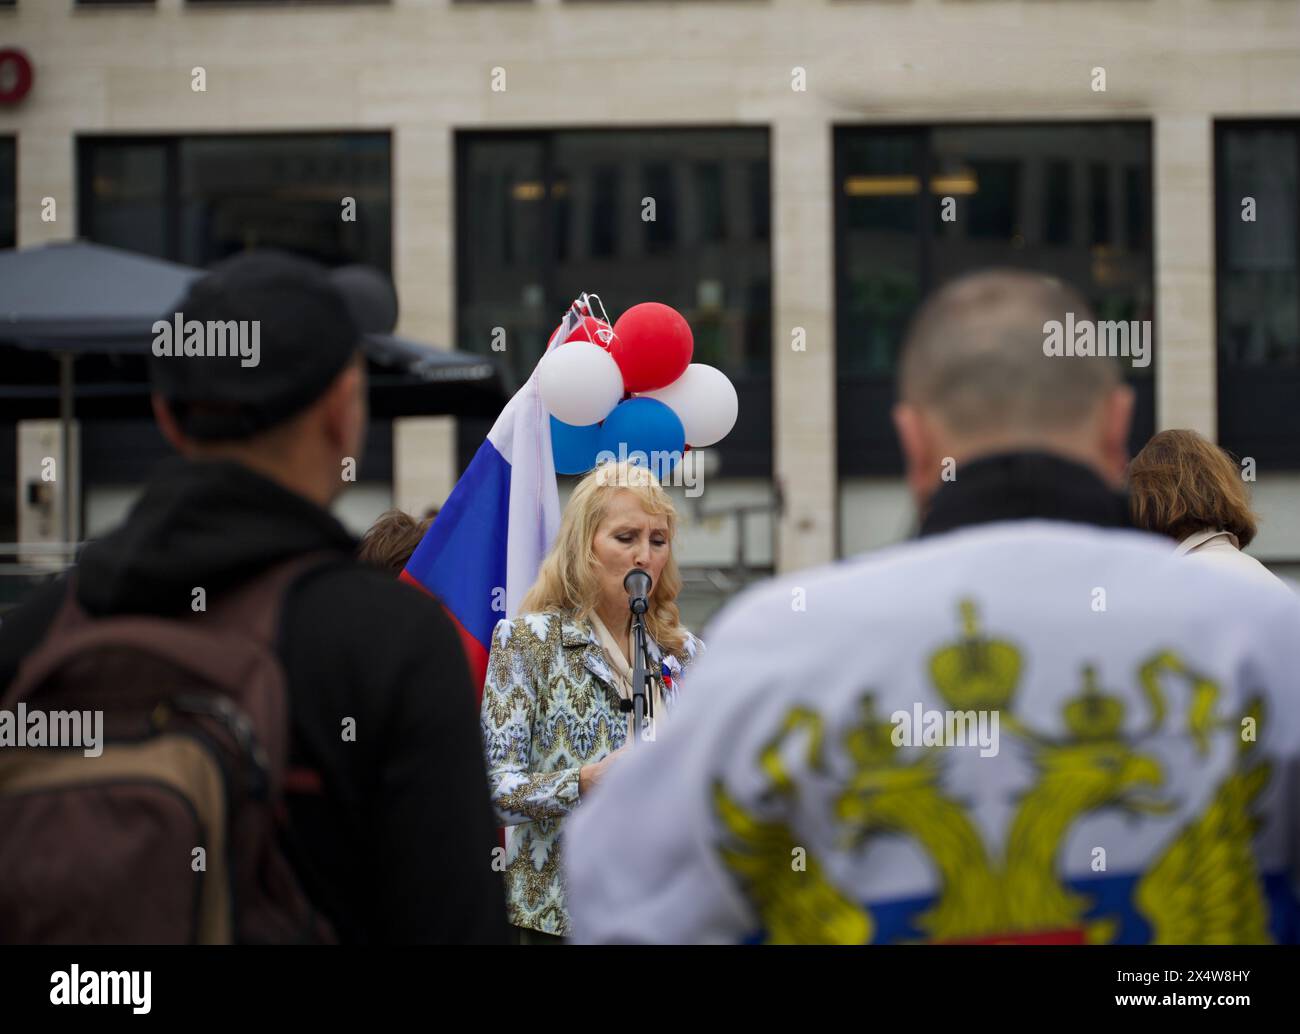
631	388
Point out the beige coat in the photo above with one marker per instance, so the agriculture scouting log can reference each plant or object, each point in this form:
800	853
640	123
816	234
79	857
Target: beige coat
1220	549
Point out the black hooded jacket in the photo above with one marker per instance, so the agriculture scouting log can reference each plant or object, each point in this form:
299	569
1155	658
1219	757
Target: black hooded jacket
396	845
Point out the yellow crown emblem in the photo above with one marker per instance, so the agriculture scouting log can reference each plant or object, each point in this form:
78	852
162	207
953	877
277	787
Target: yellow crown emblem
1093	715
977	671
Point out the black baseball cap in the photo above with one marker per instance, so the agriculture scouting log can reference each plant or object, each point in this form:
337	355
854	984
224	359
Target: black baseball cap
293	330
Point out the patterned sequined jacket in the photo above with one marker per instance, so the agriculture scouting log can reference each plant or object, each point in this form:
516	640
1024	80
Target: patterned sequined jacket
550	706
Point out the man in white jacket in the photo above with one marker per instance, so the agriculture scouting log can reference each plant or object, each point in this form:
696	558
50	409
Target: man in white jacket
1031	724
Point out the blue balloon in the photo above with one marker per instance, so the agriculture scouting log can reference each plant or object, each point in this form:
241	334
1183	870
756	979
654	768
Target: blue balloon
643	431
574	447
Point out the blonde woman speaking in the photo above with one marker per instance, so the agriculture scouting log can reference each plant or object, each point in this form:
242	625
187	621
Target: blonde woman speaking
556	704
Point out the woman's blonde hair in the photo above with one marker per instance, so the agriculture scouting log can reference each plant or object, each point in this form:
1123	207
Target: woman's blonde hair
569	581
1180	484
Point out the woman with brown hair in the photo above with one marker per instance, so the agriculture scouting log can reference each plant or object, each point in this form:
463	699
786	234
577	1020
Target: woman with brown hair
1187	488
390	541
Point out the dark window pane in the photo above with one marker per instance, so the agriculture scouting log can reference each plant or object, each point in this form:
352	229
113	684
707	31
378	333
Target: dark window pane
660	186
760	199
1137	213
286	192
564	215
8	192
882	182
1058	202
890	255
879	189
710	212
995	205
1099	203
1259	290
502	262
199	199
127	200
718	275
604	212
1259	301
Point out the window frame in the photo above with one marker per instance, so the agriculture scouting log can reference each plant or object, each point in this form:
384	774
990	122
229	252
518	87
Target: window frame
878	454
83	143
470	433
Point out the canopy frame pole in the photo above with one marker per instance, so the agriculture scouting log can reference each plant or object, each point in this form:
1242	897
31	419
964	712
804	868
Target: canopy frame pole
65	442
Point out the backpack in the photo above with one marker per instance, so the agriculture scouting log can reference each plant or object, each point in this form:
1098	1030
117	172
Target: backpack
106	849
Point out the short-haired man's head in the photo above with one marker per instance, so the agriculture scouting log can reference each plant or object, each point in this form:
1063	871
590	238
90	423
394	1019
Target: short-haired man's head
221	425
237	423
974	359
302	328
390	541
1181	483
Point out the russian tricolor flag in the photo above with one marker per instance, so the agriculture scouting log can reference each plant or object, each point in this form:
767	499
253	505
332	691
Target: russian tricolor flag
482	553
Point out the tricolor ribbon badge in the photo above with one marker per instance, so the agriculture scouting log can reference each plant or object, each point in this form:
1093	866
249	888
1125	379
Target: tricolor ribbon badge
670	669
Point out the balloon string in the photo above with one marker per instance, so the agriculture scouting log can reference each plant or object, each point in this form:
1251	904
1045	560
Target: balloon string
582	306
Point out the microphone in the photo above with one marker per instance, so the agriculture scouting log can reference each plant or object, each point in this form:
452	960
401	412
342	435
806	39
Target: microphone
637	583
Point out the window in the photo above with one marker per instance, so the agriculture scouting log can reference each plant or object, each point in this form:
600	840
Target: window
710	200
1137	209
604	206
1257	214
128	193
1099	202
1015	192
659	207
995	206
198	199
8	192
542	216
1058	202
760	199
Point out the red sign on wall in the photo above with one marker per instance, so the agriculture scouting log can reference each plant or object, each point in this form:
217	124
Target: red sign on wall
15	75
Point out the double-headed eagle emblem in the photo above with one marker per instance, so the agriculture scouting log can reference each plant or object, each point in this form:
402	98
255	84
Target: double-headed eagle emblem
1203	887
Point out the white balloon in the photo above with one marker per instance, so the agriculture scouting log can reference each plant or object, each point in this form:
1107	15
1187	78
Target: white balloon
580	383
705	401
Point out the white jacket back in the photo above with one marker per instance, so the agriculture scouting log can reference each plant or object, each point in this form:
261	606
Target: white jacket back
1022	731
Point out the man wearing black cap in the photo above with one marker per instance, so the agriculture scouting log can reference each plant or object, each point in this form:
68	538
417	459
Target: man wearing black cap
389	829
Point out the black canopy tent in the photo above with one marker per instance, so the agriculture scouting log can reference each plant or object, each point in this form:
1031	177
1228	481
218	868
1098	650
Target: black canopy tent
94	307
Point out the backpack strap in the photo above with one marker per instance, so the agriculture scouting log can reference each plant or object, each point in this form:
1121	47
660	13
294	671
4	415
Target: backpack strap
254	611
255	607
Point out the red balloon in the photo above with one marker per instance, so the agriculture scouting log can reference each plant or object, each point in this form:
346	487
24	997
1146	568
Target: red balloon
598	332
652	346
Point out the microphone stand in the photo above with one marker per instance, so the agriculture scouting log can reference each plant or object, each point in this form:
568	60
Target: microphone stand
642	701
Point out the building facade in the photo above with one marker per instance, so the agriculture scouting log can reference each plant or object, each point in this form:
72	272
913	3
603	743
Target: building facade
799	153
